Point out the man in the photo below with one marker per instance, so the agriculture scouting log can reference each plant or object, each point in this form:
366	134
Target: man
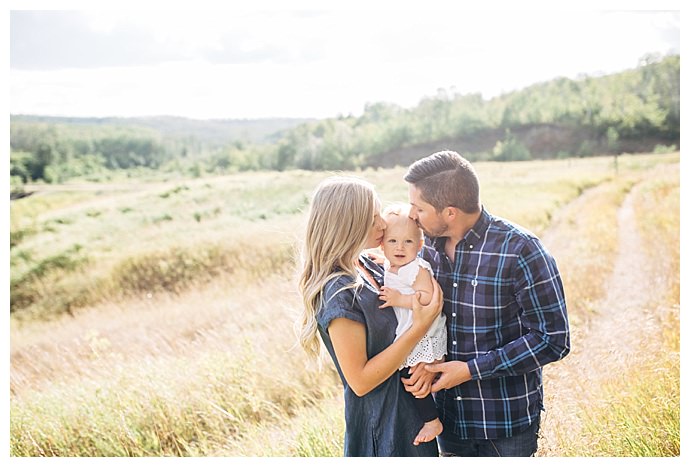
505	311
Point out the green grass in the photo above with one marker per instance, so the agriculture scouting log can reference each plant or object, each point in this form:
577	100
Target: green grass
182	236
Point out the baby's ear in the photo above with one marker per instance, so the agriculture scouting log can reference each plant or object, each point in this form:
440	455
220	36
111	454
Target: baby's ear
421	244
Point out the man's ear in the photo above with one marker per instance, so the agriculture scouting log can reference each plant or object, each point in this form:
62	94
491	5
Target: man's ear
450	212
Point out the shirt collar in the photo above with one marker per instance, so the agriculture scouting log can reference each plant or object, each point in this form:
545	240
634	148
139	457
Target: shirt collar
472	236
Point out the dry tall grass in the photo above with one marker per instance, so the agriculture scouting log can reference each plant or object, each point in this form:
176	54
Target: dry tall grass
640	412
178	375
205	363
618	392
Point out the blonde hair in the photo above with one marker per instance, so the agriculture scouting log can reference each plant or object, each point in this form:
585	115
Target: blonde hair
340	218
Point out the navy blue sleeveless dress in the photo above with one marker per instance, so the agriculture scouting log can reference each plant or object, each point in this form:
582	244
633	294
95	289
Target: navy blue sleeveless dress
383	422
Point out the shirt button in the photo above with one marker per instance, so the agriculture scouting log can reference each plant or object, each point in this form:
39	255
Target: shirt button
455	284
455	343
474	282
471	246
454	314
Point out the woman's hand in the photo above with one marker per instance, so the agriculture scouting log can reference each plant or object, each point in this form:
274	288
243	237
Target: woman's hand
424	315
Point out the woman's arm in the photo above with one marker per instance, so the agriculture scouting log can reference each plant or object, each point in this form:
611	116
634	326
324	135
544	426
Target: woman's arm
349	342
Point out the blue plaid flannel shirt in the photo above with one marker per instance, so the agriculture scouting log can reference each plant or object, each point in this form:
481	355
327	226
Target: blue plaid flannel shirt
506	317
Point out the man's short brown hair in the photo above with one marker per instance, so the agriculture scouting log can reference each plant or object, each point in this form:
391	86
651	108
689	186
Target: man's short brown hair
445	179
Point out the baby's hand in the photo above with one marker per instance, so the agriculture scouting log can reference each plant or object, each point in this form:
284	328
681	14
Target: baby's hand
390	297
378	259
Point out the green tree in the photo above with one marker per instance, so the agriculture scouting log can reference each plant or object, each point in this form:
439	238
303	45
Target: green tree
20	162
612	138
510	149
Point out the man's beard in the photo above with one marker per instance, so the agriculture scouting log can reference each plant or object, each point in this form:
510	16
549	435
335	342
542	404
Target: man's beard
443	228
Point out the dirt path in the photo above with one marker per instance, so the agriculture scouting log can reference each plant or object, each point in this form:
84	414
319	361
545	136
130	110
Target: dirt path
604	347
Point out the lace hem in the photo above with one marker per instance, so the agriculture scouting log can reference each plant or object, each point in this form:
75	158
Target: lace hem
427	350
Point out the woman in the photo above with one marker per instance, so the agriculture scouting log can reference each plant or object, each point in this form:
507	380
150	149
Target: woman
340	288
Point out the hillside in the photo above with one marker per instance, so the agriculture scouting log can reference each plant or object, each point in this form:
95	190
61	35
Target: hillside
543	141
634	111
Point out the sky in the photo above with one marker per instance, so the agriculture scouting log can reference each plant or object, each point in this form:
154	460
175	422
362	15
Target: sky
310	60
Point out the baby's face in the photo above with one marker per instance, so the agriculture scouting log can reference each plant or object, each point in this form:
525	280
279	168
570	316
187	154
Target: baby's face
401	241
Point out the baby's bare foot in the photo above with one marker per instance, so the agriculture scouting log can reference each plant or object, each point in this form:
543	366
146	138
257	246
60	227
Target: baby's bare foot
429	432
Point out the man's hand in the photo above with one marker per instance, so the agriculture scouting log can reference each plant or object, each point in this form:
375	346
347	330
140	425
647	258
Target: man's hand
451	374
419	382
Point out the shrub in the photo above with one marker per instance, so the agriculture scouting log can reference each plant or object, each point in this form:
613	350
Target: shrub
510	149
663	149
30	287
178	268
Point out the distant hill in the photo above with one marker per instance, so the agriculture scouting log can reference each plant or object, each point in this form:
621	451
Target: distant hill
215	132
636	110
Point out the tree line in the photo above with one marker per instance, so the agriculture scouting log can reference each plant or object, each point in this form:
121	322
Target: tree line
635	110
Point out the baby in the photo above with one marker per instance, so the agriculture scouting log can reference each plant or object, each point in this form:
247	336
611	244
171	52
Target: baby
406	274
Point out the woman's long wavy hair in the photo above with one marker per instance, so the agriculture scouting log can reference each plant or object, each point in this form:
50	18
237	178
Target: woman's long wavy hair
340	218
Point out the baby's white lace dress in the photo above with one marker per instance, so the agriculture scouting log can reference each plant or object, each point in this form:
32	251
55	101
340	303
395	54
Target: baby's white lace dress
433	345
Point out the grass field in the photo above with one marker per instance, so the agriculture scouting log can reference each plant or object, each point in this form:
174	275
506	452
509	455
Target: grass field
155	319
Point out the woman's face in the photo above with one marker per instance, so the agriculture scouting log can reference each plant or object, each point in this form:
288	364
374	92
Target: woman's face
378	227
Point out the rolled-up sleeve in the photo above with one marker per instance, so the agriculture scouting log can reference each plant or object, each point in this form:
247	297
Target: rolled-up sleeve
338	302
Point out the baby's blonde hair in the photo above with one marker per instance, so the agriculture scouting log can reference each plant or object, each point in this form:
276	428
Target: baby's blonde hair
399	212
